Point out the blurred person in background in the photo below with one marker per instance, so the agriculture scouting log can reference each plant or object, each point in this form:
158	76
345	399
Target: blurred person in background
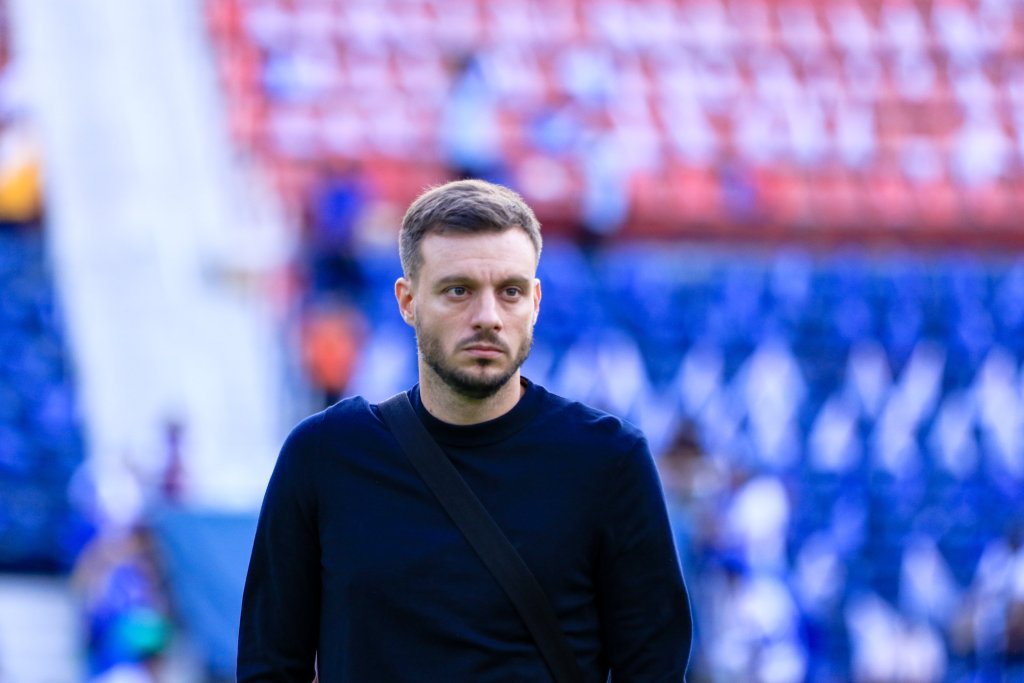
355	565
337	201
332	338
689	479
693	485
470	131
126	611
988	629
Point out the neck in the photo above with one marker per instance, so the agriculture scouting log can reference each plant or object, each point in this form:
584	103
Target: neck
454	408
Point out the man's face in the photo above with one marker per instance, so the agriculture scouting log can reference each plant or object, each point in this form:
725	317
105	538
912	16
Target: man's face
473	305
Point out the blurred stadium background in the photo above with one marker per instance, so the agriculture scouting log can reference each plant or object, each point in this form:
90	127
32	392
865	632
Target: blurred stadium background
782	236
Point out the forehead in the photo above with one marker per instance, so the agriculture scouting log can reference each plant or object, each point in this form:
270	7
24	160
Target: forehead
507	252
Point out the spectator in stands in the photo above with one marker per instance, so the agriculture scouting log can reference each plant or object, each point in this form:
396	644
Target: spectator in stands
690	480
987	631
336	204
356	566
332	338
470	130
126	610
605	201
694	485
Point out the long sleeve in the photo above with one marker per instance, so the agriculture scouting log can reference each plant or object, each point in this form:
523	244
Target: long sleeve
280	618
645	611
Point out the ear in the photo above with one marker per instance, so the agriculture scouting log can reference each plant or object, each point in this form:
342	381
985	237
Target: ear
404	296
536	298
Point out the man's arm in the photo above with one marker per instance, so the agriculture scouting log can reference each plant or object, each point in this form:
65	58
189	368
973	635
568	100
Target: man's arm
280	621
645	612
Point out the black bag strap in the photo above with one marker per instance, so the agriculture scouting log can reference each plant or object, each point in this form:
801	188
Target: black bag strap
484	534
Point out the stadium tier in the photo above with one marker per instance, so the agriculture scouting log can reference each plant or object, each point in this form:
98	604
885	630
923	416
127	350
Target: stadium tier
749	118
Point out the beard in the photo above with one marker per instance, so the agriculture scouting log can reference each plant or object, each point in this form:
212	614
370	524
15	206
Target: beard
461	380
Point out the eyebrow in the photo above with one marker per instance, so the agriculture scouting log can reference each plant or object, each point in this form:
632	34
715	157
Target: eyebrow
521	280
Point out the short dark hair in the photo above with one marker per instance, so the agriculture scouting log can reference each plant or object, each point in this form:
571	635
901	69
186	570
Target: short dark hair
462	206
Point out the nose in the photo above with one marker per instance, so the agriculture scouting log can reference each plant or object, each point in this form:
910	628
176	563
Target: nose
485	312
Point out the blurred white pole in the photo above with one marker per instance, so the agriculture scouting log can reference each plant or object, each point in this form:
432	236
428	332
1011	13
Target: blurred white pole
157	241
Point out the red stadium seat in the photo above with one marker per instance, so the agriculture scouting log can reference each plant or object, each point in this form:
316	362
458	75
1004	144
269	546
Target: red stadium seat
696	194
783	196
835	198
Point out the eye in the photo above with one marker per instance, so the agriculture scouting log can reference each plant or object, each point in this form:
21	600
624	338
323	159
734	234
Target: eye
513	292
457	291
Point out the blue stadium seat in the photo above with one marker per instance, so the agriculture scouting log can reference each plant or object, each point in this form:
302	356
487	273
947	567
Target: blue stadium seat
40	441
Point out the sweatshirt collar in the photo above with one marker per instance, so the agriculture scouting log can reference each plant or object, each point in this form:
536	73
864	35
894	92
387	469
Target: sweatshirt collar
482	433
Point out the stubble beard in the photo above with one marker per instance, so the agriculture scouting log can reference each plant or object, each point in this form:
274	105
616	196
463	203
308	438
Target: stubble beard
462	381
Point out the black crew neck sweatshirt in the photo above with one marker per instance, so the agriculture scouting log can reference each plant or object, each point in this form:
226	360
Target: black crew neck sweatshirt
356	564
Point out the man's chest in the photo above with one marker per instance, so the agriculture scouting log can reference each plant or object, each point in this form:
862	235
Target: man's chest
390	537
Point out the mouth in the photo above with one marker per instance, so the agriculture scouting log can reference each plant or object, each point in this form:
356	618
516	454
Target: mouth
484	351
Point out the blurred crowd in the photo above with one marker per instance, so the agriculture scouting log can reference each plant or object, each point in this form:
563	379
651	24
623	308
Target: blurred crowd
840	434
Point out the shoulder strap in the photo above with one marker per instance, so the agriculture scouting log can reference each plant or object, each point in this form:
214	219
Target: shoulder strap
484	534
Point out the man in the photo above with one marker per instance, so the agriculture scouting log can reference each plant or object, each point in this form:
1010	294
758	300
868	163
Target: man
355	563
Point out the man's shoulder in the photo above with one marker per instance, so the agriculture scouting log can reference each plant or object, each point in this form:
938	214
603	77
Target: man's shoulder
346	415
354	409
580	420
593	443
